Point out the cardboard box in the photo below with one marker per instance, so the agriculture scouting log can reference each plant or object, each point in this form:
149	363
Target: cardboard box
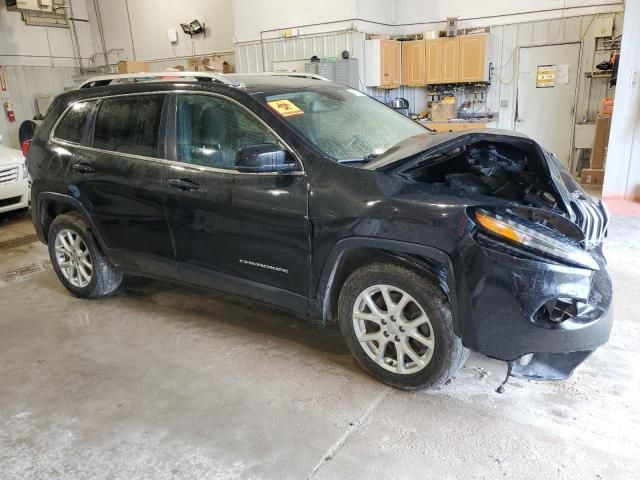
213	63
226	68
127	66
600	141
592	176
443	111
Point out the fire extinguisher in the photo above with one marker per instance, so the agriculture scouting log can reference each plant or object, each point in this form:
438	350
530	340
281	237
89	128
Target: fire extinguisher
8	107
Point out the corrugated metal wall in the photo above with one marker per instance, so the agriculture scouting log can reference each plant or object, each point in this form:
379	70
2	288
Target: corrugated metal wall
505	42
507	39
24	83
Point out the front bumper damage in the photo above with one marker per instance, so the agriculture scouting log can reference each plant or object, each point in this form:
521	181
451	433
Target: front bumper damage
543	318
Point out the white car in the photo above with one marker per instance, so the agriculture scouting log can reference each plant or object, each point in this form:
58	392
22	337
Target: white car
14	186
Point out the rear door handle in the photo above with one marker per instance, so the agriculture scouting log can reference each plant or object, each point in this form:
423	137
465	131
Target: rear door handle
183	184
83	167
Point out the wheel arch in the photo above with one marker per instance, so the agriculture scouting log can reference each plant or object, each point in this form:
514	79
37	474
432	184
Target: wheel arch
352	253
51	205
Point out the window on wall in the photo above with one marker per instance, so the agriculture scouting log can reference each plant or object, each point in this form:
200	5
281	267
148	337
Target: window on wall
129	124
210	131
71	127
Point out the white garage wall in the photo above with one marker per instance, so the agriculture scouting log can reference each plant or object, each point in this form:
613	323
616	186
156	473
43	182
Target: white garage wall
504	56
505	40
253	17
38	60
137	29
473	13
22	44
256	55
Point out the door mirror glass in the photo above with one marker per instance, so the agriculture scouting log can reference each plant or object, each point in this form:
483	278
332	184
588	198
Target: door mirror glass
264	157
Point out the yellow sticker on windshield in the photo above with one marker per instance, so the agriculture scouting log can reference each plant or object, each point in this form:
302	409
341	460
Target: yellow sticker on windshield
285	108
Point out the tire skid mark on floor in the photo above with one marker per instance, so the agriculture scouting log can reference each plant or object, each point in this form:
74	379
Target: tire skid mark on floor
18	242
21	273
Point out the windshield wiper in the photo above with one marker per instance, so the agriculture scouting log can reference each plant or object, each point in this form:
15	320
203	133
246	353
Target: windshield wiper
366	159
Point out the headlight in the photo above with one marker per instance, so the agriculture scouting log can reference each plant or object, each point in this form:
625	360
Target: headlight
533	240
25	172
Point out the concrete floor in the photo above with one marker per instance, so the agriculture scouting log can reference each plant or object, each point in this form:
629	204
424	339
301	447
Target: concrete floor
168	382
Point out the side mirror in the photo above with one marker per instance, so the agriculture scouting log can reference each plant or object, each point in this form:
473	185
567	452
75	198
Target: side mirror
264	157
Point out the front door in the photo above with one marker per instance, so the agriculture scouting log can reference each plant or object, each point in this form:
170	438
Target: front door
547	79
118	177
241	232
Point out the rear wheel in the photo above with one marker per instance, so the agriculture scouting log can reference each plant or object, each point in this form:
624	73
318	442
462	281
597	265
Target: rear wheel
398	326
77	259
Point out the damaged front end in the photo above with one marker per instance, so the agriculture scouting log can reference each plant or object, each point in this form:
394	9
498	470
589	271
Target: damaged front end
531	281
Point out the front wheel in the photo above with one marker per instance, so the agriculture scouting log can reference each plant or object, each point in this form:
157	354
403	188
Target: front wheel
398	326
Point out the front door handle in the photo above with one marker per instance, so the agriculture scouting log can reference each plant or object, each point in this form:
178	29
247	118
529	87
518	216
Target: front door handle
183	184
83	167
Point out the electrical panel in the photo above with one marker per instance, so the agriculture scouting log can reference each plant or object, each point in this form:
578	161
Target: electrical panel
30	5
603	27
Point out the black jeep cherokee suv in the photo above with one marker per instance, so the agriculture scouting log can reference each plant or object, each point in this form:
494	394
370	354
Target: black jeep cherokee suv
317	198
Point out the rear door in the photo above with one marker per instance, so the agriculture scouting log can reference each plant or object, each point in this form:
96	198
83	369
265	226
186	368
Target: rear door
118	177
233	229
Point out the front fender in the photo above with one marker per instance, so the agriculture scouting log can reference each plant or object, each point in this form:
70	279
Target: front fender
428	259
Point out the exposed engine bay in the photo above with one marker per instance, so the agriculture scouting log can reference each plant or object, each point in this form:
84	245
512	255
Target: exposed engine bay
510	170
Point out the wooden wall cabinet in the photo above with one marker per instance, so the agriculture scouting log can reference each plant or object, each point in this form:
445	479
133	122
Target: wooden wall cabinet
474	58
442	60
450	58
383	63
413	63
457	59
434	60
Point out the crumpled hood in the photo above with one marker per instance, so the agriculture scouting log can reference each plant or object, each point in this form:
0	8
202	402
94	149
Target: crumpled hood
427	143
495	166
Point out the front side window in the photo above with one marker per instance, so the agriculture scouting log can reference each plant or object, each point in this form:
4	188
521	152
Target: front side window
211	130
129	124
343	123
71	127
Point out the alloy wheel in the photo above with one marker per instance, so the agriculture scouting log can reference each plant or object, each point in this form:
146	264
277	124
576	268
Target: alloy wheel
73	258
393	329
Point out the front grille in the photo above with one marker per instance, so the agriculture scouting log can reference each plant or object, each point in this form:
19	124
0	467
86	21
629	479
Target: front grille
9	174
592	219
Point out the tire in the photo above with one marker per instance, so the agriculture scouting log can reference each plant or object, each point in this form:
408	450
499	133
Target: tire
64	232
437	355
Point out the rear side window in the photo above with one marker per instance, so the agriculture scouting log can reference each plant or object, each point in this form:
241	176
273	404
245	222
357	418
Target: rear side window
129	125
71	127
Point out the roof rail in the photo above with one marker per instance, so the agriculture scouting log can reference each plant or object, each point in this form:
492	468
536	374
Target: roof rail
104	80
284	74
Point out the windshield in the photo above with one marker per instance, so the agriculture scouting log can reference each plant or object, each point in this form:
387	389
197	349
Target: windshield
343	123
